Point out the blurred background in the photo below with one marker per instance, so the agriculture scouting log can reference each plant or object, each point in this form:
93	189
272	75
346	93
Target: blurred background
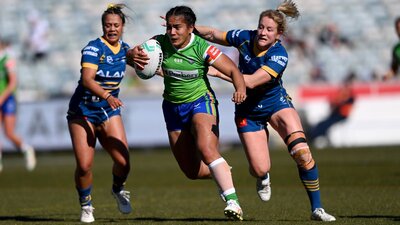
333	45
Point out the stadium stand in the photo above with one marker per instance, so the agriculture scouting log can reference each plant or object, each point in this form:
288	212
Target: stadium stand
364	29
331	39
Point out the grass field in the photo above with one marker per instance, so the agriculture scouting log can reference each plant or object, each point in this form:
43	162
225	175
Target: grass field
360	186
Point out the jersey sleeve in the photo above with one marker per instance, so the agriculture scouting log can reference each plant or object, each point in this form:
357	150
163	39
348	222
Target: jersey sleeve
11	64
275	62
211	54
236	37
91	55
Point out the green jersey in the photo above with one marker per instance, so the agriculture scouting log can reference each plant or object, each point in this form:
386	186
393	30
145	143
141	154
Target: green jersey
396	58
3	71
185	70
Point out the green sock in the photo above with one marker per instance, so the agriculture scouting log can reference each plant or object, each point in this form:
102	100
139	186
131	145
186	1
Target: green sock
232	196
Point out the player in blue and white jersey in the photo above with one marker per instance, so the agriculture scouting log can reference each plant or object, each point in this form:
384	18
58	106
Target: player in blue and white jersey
95	112
262	60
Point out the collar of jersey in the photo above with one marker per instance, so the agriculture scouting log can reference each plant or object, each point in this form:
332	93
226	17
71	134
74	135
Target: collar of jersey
115	49
259	53
188	45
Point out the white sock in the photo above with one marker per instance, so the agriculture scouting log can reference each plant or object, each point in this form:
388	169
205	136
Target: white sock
25	147
221	173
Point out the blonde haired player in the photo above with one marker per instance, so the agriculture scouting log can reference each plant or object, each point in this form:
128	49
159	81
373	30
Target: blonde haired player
262	60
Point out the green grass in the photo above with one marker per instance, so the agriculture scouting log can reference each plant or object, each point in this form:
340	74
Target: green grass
360	186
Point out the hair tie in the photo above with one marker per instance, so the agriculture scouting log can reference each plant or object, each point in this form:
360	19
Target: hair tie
111	5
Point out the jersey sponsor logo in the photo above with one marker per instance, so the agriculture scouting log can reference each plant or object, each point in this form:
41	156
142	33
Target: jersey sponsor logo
118	74
281	60
182	74
241	122
110	59
91	48
90	53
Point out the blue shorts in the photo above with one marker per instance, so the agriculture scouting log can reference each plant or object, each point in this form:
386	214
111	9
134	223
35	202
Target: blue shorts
95	115
179	116
253	114
9	106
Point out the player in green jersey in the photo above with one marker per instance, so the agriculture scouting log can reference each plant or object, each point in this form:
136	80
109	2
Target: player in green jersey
395	64
190	106
8	106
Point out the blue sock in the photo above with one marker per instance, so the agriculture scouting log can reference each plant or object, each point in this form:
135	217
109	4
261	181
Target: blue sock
84	196
311	183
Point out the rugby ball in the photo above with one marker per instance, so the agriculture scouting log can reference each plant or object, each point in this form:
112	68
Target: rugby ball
153	50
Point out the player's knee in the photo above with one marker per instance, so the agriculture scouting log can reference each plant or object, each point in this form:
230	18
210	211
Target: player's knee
299	150
302	156
83	170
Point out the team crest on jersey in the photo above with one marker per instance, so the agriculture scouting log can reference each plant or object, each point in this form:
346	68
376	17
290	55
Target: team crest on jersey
102	58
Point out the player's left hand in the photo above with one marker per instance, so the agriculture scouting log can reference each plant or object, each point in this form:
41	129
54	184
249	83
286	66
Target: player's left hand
239	97
114	102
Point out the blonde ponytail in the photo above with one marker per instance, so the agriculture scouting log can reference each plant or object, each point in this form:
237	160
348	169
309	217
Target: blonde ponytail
286	8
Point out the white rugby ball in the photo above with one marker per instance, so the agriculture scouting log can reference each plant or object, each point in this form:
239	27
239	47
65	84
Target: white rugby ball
153	50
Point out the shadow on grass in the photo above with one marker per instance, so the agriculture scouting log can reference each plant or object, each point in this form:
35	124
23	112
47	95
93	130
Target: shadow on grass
28	219
394	218
159	219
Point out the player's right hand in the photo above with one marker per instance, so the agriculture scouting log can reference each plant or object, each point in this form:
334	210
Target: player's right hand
136	57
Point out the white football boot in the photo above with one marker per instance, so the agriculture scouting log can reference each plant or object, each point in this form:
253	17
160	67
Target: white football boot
264	189
30	158
319	214
87	214
233	210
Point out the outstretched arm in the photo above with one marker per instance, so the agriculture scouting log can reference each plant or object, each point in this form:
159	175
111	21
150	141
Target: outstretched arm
258	78
212	35
229	69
